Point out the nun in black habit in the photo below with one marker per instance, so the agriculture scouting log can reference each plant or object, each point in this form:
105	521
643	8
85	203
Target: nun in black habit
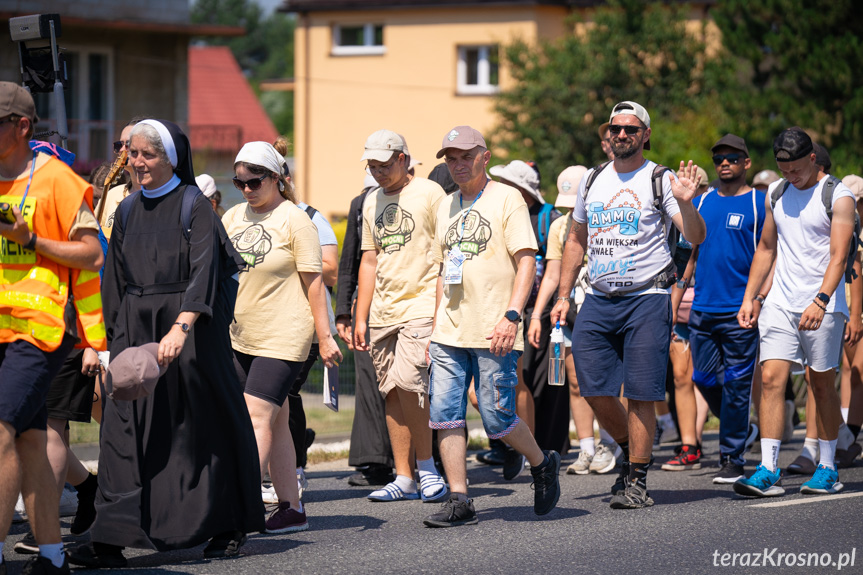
179	467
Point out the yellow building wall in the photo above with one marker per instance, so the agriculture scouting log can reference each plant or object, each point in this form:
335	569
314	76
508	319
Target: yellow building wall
411	89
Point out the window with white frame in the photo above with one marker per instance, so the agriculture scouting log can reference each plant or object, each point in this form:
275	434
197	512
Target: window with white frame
478	69
358	40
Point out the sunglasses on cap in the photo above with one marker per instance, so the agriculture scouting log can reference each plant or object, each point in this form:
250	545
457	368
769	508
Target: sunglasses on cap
615	129
732	158
118	145
253	184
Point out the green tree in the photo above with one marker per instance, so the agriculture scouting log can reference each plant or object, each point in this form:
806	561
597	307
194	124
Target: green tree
265	52
631	50
799	63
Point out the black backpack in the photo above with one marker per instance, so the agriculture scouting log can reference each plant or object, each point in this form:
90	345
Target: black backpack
827	201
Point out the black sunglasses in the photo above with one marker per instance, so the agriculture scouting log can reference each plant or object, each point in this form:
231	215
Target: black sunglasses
732	158
630	130
254	184
118	145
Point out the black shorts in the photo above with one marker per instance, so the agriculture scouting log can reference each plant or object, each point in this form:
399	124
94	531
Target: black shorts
26	373
265	377
70	396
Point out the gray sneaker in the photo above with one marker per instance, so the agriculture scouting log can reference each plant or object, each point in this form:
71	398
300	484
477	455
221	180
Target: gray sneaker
603	461
581	466
633	497
453	513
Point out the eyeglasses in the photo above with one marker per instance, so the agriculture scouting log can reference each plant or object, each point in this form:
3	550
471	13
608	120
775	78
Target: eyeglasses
630	130
118	145
382	167
253	184
9	120
732	158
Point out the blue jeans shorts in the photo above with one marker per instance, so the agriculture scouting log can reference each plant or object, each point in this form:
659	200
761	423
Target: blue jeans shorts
495	380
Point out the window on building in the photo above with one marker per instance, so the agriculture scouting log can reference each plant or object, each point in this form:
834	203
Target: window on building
358	40
478	69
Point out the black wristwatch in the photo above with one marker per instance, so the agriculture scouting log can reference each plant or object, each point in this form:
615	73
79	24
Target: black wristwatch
183	326
512	316
683	283
825	299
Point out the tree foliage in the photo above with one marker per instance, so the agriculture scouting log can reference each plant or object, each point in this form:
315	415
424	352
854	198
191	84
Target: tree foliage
799	63
265	52
565	88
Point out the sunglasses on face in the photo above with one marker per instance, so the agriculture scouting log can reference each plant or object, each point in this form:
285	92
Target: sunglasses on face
630	130
732	158
118	145
253	184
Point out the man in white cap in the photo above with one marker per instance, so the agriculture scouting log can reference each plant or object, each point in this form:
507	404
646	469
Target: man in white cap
485	248
396	301
763	179
623	330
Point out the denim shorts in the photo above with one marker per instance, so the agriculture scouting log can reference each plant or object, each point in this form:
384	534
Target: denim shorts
622	340
495	380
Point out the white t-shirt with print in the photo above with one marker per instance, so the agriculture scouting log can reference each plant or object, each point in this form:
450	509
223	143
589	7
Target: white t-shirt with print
626	236
803	247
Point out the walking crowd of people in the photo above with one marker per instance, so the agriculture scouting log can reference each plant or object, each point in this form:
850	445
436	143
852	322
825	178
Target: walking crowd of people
659	297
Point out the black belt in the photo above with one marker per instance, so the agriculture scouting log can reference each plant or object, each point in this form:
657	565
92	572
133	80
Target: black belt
153	289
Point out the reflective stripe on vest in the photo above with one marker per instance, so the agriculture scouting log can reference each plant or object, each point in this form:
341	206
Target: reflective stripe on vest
46	333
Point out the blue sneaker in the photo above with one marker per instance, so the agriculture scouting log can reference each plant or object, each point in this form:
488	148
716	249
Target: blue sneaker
825	481
762	483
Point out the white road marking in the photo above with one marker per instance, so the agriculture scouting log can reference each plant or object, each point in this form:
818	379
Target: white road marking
820	499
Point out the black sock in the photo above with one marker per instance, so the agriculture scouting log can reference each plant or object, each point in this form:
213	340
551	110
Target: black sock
545	461
88	486
625	448
855	429
638	472
460	496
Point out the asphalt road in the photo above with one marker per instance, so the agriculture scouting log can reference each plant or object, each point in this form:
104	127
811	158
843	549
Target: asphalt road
692	527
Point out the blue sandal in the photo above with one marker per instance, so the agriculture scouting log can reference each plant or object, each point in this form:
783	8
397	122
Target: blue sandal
392	492
434	483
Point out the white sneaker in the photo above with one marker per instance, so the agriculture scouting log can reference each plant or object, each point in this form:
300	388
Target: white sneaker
302	482
68	502
603	461
20	514
580	466
268	494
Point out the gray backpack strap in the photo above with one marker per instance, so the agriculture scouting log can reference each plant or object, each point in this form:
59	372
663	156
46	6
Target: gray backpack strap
777	193
592	177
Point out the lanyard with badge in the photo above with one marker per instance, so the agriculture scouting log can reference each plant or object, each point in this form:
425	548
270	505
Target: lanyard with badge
455	258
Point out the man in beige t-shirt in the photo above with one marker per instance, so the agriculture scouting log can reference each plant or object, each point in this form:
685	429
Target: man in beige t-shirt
485	248
396	301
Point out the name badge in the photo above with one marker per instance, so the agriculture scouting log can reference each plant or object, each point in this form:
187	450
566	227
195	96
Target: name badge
454	270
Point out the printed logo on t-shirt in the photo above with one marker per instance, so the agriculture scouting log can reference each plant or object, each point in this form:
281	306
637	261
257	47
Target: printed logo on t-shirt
623	212
477	233
393	228
253	244
734	221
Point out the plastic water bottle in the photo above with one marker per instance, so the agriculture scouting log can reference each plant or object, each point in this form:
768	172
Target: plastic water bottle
556	368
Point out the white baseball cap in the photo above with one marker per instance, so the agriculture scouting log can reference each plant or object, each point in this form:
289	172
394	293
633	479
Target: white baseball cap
521	175
383	144
567	186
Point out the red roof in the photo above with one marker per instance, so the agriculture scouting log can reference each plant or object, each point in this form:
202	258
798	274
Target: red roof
224	112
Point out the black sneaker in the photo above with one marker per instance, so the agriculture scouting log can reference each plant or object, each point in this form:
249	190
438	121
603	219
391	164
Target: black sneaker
453	513
513	464
374	475
633	497
729	473
225	545
546	484
87	556
2	568
494	456
622	479
38	565
28	545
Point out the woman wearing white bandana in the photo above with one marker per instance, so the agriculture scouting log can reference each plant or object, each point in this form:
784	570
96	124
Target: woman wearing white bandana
281	305
176	468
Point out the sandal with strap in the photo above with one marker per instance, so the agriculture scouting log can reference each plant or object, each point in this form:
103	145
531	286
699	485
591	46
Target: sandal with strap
435	485
392	492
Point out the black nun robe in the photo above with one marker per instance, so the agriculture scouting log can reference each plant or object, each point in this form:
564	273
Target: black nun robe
181	465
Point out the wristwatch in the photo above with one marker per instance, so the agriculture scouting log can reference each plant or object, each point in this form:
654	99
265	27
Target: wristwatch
759	298
512	316
825	299
183	326
683	283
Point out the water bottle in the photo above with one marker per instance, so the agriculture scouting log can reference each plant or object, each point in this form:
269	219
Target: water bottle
556	368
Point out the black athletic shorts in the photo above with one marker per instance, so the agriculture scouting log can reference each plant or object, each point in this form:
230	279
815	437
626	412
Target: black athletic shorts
70	396
265	377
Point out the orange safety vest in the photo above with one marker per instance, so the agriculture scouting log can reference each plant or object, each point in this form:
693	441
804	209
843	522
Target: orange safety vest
34	290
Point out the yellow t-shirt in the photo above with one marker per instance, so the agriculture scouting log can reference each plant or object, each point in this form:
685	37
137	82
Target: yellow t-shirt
273	316
556	238
401	228
497	227
108	207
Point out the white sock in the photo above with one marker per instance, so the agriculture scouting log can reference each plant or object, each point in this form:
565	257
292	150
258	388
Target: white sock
406	484
665	421
770	453
828	453
605	437
844	413
846	437
810	448
588	445
54	552
426	466
1	551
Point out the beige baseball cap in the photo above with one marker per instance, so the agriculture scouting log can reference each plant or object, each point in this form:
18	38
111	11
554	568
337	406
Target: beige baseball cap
16	100
461	138
382	145
567	186
520	174
855	184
